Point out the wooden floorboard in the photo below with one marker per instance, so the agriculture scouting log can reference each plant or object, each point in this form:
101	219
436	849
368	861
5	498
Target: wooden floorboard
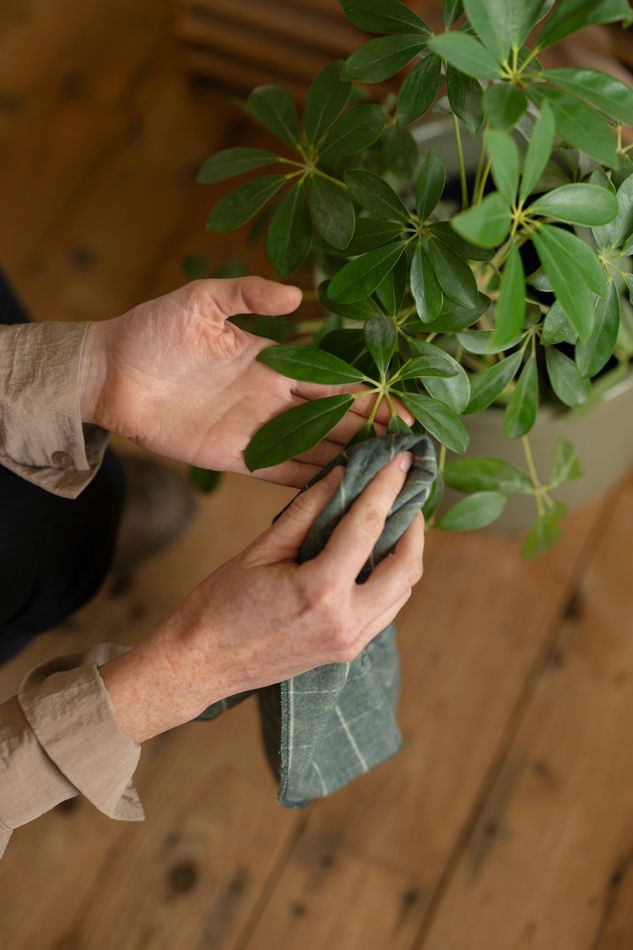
505	821
549	861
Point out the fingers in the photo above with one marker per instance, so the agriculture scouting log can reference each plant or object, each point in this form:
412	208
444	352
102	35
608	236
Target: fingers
251	295
396	574
354	537
286	535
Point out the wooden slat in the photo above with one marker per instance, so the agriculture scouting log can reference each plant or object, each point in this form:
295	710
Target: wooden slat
554	841
278	19
250	47
475	629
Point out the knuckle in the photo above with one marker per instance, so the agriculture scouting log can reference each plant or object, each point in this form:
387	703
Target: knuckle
372	521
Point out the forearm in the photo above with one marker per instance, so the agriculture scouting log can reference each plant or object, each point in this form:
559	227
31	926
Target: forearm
155	687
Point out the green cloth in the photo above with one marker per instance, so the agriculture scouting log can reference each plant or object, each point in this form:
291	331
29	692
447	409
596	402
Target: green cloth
325	727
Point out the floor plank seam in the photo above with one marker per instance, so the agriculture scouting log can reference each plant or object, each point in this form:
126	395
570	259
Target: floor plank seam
515	718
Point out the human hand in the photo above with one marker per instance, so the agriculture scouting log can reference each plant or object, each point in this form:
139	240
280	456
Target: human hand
262	618
177	377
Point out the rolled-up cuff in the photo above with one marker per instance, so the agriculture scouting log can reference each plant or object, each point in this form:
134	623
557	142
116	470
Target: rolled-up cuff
42	437
70	712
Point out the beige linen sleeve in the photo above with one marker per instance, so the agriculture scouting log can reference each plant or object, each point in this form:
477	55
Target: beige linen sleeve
59	738
42	437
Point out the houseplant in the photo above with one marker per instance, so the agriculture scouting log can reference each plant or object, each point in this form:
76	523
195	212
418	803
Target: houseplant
515	297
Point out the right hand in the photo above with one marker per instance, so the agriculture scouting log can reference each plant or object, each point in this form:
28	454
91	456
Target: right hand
261	618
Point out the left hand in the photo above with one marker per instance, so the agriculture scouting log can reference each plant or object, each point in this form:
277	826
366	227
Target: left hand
175	376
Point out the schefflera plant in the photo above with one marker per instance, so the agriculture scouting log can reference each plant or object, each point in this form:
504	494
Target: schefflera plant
513	299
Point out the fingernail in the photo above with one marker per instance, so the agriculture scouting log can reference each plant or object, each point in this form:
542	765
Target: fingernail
406	461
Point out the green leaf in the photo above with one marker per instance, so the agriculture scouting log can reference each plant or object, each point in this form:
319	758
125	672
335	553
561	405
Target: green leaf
493	22
528	14
504	105
397	426
465	53
383	58
383	16
361	276
391	290
538	151
425	289
572	15
438	419
239	206
295	431
504	159
443	231
487	223
453	275
488	386
371	233
418	91
481	342
233	161
371	192
275	109
522	408
616	232
401	153
570	387
453	390
580	126
566	465
380	340
573	294
290	233
332	211
577	204
510	312
486	473
475	511
430	365
465	99
435	356
545	532
327	97
579	256
609	94
451	10
348	344
360	310
430	184
455	317
354	132
557	328
205	479
593	355
309	365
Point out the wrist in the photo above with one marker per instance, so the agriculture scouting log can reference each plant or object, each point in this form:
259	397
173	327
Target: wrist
155	686
93	373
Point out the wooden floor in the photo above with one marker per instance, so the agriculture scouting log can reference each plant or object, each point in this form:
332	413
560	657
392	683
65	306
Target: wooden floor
507	822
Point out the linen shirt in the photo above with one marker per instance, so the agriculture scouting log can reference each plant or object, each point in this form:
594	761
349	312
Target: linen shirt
58	736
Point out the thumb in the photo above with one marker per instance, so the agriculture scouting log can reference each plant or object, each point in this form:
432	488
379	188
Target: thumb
252	295
284	538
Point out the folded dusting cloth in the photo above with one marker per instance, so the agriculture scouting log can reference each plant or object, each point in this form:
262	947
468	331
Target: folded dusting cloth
325	727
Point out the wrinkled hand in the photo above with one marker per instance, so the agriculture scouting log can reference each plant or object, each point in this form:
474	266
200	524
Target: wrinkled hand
262	618
177	377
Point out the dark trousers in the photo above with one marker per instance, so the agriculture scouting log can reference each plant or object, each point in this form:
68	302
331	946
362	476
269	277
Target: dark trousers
54	552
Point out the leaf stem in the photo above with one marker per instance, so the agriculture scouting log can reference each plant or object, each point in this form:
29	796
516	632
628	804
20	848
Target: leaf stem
341	184
529	459
462	165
